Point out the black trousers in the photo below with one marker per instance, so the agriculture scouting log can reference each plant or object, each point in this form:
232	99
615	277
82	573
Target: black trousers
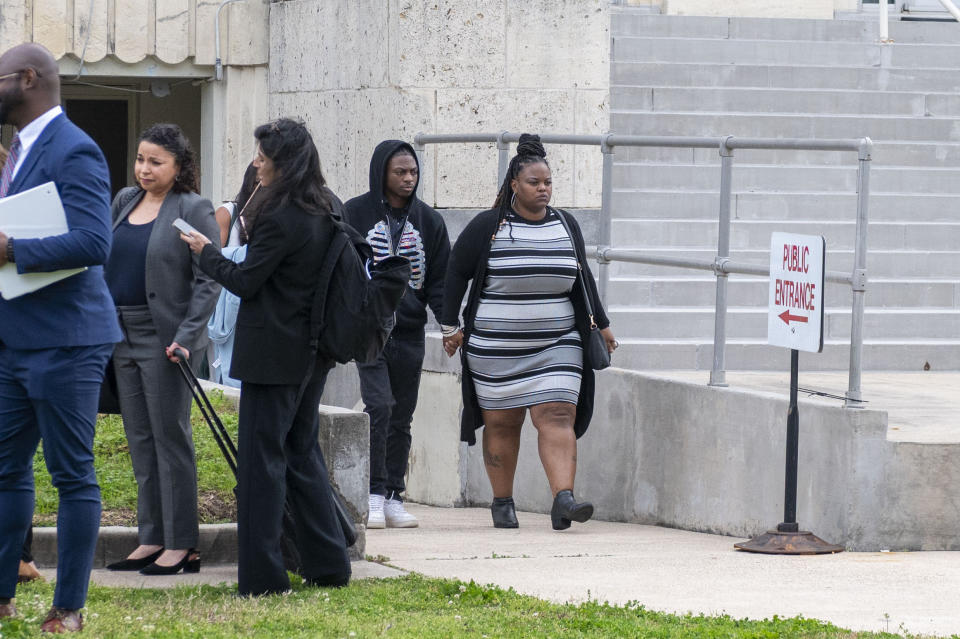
280	460
389	389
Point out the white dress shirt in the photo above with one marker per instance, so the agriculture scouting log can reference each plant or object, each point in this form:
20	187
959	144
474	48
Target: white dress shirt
31	132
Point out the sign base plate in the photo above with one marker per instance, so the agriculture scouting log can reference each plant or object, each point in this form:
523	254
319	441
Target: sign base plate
775	542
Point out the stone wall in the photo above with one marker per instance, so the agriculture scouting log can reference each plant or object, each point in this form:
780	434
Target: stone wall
171	31
361	72
122	40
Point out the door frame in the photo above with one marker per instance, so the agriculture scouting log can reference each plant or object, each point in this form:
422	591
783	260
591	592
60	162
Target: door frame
86	92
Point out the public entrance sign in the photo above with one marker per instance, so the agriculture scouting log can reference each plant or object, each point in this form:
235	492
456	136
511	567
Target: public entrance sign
795	321
795	317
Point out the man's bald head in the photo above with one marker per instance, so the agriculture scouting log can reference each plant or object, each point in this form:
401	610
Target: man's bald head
35	89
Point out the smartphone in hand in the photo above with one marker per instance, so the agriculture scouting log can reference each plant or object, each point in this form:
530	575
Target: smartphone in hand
183	227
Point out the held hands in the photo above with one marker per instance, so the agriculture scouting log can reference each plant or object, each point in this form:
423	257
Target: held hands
452	343
196	241
612	342
170	350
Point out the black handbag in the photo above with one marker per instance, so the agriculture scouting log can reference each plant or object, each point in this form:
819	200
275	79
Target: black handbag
595	352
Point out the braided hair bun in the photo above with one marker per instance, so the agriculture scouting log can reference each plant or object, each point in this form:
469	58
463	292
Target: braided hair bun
529	145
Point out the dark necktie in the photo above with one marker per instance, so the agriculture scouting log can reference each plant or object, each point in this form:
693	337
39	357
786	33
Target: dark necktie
6	178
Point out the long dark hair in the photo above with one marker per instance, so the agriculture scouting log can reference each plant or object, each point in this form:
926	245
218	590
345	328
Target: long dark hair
172	139
529	151
288	144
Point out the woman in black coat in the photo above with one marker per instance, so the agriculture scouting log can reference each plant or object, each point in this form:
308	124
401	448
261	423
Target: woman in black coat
279	454
523	332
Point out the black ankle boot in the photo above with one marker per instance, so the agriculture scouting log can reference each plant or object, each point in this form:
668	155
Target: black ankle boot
566	509
504	513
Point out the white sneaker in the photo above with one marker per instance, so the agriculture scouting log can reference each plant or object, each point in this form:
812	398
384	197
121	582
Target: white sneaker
397	516
375	517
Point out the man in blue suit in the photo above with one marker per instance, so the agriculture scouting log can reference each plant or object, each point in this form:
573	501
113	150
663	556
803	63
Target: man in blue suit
54	342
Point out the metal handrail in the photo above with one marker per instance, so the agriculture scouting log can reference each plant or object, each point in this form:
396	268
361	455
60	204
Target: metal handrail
721	265
951	9
885	17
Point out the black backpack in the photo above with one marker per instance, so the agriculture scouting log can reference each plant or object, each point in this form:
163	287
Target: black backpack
356	299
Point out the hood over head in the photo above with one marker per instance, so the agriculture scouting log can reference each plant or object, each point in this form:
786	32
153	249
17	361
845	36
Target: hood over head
378	166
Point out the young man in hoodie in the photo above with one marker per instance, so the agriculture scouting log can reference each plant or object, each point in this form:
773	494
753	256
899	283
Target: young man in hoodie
396	222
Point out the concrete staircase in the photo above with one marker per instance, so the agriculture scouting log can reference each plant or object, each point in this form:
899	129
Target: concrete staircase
673	75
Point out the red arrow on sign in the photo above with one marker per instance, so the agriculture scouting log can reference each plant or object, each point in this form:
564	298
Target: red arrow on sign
787	318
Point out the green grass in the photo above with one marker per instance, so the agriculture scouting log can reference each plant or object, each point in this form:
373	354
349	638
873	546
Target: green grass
115	474
410	606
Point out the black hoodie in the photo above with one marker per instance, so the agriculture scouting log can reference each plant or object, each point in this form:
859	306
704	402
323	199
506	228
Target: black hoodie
423	241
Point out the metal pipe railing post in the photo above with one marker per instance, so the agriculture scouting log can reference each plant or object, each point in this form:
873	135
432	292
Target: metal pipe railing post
718	374
503	157
606	217
859	277
419	148
884	22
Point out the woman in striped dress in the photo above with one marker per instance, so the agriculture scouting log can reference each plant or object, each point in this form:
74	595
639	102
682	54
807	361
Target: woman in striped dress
523	330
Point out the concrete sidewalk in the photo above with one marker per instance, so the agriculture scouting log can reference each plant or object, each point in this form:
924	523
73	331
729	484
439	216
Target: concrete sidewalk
679	571
661	568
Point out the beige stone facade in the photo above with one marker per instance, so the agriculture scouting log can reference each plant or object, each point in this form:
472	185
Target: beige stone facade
132	45
360	72
172	31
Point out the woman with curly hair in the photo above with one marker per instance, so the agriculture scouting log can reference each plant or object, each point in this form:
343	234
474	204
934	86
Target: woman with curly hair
163	302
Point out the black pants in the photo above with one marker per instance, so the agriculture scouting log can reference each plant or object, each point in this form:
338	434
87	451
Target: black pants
389	389
280	460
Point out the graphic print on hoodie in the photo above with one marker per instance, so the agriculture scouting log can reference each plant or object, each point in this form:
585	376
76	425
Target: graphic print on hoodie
416	232
410	246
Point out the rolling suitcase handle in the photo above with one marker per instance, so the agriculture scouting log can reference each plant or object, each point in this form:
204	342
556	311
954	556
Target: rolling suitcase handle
229	450
220	434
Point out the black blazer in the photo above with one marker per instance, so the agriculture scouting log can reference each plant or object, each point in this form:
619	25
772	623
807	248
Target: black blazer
275	284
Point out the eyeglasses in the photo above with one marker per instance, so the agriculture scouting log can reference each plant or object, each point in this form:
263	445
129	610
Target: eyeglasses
16	73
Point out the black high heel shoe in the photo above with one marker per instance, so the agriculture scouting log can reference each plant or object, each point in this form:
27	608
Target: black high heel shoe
189	563
135	564
504	513
566	509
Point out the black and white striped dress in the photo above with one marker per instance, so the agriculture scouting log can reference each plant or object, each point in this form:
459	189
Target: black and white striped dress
525	348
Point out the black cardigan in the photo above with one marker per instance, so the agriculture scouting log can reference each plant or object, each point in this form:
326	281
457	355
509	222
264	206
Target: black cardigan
468	261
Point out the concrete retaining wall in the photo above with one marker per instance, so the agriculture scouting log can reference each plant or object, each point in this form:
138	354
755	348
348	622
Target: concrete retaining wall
690	456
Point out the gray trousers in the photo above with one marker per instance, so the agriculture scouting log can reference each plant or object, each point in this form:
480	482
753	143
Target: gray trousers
155	406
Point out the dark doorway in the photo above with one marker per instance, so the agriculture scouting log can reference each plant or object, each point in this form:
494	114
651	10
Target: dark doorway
106	121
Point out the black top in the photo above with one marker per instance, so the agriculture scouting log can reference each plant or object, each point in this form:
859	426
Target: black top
415	232
276	284
126	268
468	261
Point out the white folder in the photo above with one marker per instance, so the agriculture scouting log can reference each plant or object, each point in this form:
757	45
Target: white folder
37	212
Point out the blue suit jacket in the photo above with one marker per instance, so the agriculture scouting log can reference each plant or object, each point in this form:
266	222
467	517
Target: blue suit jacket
78	310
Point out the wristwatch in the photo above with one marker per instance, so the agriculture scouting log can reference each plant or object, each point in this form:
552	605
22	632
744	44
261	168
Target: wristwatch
10	249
